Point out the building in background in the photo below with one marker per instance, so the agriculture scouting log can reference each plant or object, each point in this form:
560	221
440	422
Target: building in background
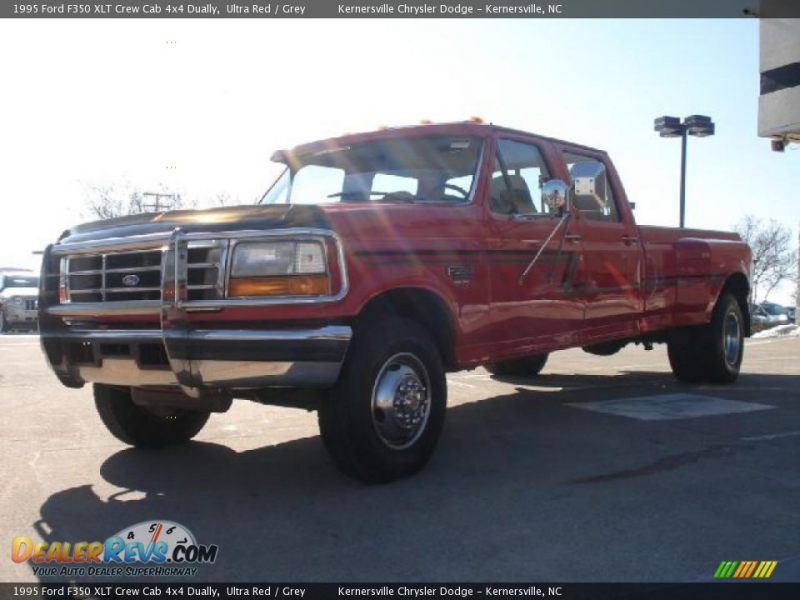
779	105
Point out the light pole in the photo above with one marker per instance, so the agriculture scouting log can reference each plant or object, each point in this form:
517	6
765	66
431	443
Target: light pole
696	125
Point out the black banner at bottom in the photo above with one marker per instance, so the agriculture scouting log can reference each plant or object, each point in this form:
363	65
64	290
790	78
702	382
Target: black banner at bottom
411	591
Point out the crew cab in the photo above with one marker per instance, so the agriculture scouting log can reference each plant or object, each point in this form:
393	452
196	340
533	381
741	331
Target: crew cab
375	264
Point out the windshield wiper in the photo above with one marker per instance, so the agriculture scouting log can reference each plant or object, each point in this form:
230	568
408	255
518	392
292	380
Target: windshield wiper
351	195
384	196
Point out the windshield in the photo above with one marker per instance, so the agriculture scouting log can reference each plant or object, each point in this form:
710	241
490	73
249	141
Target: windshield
414	169
20	281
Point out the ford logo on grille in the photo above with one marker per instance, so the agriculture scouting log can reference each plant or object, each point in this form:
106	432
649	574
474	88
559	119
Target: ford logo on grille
130	280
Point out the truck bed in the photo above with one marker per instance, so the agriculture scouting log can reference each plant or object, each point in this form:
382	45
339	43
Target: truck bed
684	271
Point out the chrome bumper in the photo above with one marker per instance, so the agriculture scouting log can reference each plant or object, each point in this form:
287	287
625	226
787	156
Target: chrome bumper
197	360
16	315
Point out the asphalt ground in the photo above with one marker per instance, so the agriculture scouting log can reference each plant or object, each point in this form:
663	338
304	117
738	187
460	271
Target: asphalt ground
526	485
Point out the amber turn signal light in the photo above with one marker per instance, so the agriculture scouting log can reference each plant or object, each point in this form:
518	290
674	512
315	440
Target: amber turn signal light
284	285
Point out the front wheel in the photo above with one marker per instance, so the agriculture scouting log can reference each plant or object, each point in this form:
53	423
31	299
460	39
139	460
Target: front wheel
145	427
383	419
4	327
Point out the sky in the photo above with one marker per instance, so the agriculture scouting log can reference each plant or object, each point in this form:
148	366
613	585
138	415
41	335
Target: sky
198	107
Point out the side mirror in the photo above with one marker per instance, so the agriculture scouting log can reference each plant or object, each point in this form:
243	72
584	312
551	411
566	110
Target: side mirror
590	183
555	196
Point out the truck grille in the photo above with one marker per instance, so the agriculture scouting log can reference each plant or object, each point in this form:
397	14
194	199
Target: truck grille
31	304
136	274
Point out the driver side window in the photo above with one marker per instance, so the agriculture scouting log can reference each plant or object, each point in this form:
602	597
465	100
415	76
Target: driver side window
388	183
517	178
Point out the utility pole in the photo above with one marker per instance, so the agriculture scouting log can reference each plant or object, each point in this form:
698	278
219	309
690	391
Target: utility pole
156	205
683	177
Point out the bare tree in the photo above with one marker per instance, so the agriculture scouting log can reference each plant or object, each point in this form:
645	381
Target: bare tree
111	201
774	258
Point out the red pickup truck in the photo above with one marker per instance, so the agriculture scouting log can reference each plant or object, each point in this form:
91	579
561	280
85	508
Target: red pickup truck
374	265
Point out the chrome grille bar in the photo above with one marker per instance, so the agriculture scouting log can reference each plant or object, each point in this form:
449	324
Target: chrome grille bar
105	261
125	270
135	274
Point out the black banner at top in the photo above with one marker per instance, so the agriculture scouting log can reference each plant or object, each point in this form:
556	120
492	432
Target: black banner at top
410	9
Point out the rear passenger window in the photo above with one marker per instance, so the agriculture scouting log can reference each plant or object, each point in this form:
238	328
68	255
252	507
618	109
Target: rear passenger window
519	173
591	188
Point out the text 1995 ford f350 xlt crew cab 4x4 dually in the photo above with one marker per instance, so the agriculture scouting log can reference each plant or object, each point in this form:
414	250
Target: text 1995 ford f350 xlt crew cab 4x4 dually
374	265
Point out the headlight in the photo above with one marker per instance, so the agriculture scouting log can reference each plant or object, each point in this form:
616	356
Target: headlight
285	268
17	301
264	259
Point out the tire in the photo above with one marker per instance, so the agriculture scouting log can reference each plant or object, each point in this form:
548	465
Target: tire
685	355
607	349
712	353
361	428
4	327
526	367
726	346
141	427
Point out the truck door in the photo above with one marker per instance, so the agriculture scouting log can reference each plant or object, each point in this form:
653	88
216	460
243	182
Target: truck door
536	313
611	249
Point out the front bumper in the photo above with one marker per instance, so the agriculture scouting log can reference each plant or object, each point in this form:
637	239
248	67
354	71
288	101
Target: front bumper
199	359
178	352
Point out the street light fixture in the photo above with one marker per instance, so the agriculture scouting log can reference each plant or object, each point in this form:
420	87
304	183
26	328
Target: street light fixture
696	125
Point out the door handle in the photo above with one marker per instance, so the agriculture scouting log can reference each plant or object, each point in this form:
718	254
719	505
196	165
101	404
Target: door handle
573	237
629	240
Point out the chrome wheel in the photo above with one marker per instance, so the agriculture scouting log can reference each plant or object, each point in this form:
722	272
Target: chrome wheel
401	401
731	338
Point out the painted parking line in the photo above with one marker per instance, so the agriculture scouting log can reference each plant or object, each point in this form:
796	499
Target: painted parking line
452	381
670	407
771	436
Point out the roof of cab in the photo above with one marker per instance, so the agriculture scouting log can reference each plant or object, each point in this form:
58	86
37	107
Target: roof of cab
453	128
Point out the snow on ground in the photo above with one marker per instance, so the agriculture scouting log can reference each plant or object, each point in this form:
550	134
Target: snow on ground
779	331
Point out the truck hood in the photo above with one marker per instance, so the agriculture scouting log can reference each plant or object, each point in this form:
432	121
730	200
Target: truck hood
236	218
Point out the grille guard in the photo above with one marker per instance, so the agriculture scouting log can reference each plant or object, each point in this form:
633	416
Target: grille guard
195	375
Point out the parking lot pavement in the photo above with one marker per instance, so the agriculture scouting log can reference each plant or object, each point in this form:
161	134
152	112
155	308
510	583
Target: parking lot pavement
553	478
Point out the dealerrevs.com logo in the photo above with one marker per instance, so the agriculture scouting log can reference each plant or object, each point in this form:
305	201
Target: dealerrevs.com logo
151	548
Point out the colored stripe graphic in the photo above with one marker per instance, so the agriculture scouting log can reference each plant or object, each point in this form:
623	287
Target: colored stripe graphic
745	569
720	569
729	567
732	566
771	568
765	569
752	568
746	566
